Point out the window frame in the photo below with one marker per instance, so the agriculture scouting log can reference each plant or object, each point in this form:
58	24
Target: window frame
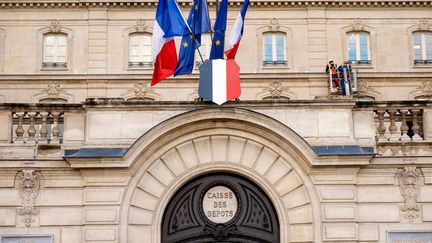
39	52
423	60
139	64
274	60
55	64
358	60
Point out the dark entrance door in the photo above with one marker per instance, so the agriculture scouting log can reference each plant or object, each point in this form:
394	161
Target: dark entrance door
220	208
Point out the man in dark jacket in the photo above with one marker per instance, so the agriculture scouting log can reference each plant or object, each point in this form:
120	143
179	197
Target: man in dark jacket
345	78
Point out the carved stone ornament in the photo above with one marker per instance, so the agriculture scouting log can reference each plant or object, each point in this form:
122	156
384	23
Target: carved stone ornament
53	90
140	25
140	90
55	26
424	24
30	190
426	88
409	183
276	89
274	25
357	24
362	88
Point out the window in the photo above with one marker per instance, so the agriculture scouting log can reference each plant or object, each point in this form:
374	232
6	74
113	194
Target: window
422	45
55	51
204	48
140	53
274	47
358	44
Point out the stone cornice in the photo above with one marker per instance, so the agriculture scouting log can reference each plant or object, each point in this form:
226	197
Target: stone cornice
256	3
5	78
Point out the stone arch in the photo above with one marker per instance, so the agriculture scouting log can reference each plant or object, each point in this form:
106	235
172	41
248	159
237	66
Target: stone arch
235	146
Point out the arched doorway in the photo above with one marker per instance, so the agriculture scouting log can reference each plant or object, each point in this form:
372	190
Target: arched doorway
220	207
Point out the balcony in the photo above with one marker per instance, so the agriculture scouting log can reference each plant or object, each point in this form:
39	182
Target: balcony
41	131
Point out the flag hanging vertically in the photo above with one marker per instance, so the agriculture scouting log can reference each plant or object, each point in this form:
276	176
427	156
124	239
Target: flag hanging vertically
198	21
236	32
169	22
219	81
217	48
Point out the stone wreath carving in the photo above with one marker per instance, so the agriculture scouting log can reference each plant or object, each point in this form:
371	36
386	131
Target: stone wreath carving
140	25
53	90
409	183
55	26
30	190
357	24
423	24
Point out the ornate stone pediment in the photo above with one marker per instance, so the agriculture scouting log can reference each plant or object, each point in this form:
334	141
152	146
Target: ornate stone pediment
55	26
424	24
274	25
358	24
140	25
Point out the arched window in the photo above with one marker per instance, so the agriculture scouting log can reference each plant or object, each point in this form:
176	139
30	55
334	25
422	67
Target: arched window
274	48
55	51
140	50
358	46
422	47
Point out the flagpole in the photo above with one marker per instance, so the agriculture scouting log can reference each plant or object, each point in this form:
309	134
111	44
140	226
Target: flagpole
208	17
190	31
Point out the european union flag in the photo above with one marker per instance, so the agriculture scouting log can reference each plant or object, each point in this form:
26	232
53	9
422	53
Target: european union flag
198	21
217	49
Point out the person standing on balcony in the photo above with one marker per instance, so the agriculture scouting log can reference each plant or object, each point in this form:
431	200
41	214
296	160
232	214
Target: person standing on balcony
331	69
345	78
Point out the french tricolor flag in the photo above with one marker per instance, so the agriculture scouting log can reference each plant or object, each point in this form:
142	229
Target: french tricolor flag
219	80
236	32
169	23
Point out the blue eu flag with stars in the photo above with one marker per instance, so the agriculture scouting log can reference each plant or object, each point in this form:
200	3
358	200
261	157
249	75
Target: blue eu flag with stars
198	22
217	49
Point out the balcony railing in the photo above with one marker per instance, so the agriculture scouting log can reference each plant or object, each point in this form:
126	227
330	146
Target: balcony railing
42	127
54	65
140	64
360	62
422	62
399	124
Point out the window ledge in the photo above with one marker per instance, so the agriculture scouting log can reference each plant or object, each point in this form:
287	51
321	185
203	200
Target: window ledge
274	66
422	66
132	69
55	69
362	66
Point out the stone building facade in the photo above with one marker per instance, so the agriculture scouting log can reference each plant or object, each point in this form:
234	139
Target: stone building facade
89	152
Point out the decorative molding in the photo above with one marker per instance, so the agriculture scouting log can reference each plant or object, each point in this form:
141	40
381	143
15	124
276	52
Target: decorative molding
30	190
423	24
141	91
274	25
276	91
357	24
259	3
53	90
55	26
409	183
141	25
426	88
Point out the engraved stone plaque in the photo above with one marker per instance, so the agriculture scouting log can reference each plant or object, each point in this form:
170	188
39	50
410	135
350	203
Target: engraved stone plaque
220	204
26	239
409	237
